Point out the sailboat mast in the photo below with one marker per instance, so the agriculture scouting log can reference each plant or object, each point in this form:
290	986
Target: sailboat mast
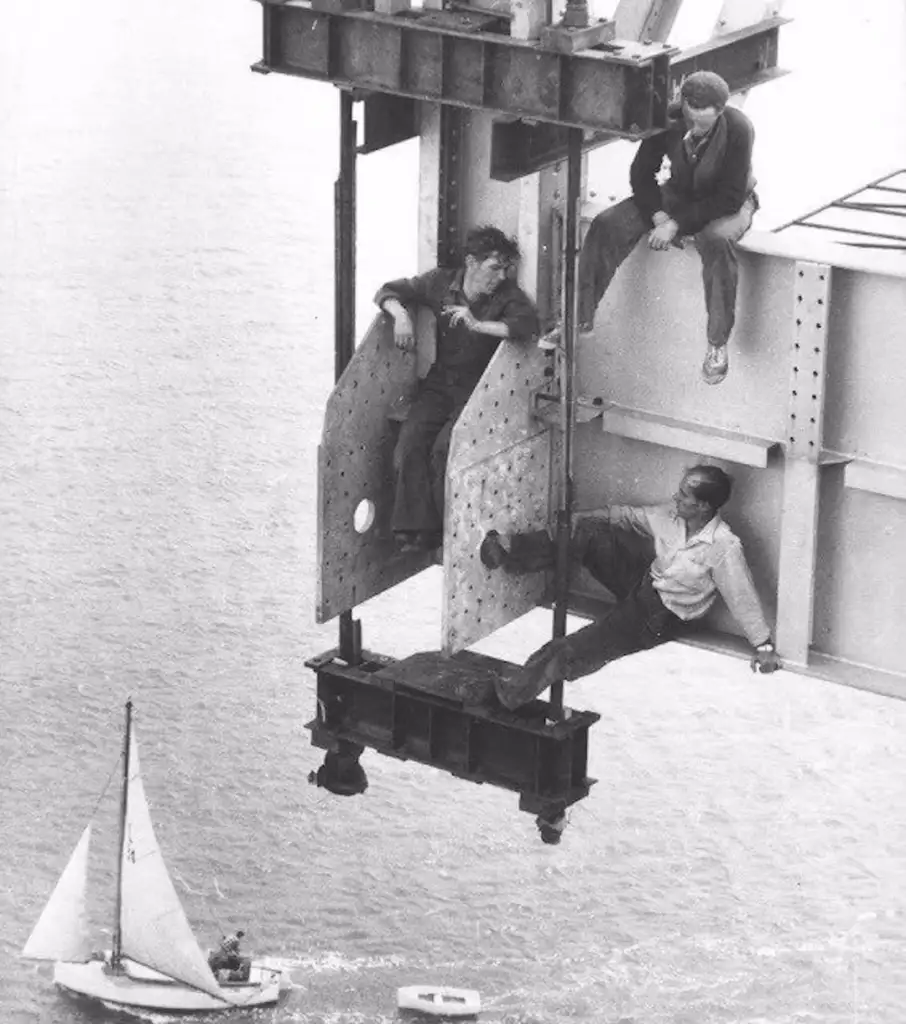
118	909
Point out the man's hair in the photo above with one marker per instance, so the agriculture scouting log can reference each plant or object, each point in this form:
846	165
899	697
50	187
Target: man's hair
705	89
488	241
713	486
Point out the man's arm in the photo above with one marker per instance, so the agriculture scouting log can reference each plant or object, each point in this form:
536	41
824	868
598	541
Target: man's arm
734	581
733	185
516	321
646	192
422	290
630	517
395	298
520	317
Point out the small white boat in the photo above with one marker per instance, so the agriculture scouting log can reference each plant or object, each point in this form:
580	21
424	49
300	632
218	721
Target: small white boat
439	1000
156	962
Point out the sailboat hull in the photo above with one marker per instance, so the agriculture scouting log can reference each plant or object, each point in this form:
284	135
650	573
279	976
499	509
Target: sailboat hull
139	988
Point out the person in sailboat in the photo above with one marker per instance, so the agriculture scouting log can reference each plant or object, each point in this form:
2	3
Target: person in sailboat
226	957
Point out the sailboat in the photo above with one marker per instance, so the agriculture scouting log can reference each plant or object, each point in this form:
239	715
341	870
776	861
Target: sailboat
156	962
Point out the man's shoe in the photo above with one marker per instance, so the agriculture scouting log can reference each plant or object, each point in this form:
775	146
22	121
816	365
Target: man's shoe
492	553
552	339
716	364
545	667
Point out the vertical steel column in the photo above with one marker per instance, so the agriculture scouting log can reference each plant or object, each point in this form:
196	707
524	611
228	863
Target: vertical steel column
449	220
567	388
344	195
799	522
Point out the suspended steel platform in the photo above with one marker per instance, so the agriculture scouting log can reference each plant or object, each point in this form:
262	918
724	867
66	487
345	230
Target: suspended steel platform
429	708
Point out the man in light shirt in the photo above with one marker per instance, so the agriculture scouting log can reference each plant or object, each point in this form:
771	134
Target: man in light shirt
664	564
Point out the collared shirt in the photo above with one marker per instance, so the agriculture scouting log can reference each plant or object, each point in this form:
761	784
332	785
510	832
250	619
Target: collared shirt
464	353
689	572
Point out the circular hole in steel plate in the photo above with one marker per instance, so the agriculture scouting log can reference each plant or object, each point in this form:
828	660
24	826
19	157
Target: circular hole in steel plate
363	517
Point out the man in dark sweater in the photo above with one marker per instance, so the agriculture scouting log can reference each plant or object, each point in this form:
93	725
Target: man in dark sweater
476	307
709	197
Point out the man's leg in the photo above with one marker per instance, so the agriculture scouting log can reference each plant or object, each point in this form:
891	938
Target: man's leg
716	244
617	558
637	622
611	237
440	449
413	507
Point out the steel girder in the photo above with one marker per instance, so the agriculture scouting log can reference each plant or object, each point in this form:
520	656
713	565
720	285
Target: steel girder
621	89
745	58
418	709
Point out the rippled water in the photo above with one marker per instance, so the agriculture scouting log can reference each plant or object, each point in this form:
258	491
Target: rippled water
165	312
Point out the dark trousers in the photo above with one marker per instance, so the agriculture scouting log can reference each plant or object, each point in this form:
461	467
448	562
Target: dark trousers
616	231
619	560
420	456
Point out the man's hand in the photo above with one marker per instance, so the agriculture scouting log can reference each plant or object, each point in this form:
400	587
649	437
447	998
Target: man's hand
403	331
661	235
765	661
461	315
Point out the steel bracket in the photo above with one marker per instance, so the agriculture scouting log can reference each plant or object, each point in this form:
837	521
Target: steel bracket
425	708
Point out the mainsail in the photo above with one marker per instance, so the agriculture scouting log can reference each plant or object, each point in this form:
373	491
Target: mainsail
62	929
155	931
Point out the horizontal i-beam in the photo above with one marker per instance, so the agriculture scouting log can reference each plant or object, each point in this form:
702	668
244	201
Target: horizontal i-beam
414	710
745	58
408	55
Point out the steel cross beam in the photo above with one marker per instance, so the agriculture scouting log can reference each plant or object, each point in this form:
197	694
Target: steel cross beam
620	89
745	58
418	709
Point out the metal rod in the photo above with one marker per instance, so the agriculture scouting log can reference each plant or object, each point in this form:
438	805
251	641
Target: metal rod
344	239
876	184
567	389
350	634
117	953
893	209
850	231
876	245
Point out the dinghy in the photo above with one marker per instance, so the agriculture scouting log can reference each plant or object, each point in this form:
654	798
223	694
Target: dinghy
156	963
439	1000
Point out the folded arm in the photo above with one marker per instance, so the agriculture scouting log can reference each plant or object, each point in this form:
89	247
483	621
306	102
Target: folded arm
397	298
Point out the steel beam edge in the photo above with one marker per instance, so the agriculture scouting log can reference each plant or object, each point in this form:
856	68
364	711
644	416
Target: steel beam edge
362	707
521	147
402	56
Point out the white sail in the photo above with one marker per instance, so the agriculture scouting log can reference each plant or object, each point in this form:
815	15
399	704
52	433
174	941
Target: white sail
155	931
62	929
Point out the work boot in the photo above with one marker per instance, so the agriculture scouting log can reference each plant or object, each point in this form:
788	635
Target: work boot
492	553
552	339
545	667
527	552
716	364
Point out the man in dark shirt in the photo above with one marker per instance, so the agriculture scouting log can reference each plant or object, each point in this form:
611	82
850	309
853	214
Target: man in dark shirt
709	197
476	306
